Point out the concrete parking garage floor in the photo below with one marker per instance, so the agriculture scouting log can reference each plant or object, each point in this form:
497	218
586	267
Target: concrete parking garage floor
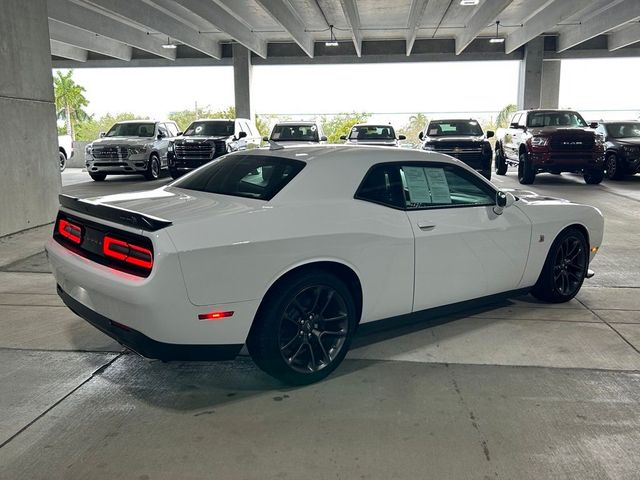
521	390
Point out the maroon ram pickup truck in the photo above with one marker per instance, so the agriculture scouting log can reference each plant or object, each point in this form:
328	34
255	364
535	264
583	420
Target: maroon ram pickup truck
553	141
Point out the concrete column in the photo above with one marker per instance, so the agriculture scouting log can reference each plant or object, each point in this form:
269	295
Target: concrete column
550	84
29	169
242	80
530	83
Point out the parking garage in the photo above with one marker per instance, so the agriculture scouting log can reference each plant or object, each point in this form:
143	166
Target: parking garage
517	388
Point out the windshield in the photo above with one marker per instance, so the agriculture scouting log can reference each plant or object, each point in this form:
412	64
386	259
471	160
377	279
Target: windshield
210	129
454	127
372	132
252	176
624	129
132	130
555	119
300	133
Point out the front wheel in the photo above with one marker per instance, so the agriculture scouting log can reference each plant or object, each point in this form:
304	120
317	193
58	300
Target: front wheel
526	172
501	163
98	177
564	269
303	329
63	161
153	170
612	167
593	177
174	173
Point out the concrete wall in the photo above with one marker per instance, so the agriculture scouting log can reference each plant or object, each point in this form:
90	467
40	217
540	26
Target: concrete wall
29	179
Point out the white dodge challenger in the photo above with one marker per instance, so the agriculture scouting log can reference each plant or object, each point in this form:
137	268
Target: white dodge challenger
287	251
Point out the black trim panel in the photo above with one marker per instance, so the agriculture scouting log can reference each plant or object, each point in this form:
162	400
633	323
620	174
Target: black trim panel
114	214
146	346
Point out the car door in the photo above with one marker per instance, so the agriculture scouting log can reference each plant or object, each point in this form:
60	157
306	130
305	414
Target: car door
161	143
511	135
463	248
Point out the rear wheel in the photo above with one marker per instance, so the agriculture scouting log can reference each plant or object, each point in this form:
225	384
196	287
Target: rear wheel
63	161
612	167
564	269
526	172
98	177
303	330
593	177
501	164
153	170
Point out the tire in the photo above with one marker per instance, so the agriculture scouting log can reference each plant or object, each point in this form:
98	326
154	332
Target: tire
98	177
561	280
593	177
501	164
292	339
63	161
486	174
526	172
613	168
153	170
174	173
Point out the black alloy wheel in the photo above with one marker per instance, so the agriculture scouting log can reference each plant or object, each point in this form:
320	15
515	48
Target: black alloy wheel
612	166
98	177
500	161
526	172
304	331
565	268
153	170
593	177
63	161
174	173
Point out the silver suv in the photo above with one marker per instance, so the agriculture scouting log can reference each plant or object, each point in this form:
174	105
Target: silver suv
131	147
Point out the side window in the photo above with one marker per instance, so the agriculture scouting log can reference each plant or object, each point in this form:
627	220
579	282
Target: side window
172	128
516	117
162	129
601	130
442	185
382	184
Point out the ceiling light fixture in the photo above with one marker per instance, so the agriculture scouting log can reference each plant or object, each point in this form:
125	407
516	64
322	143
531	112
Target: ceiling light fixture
169	45
469	3
497	39
332	38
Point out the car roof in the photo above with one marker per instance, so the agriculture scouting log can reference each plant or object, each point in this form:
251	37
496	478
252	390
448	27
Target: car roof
217	120
372	125
453	120
145	120
301	122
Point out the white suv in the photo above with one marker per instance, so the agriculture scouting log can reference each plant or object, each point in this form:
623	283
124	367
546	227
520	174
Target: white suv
297	133
131	147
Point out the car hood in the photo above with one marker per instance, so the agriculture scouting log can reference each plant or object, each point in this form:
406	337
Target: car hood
291	143
627	141
179	205
121	141
198	138
530	197
455	139
387	143
564	131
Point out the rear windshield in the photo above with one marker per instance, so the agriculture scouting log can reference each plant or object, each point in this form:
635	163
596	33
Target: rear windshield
241	175
372	132
624	129
302	133
454	127
210	129
132	130
555	119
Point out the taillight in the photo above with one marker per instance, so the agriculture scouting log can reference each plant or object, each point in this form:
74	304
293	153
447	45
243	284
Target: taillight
70	231
127	252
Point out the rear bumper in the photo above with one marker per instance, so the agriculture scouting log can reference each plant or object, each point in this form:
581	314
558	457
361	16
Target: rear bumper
145	346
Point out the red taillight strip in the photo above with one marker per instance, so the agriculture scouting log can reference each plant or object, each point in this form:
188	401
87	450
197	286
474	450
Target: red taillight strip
70	231
214	315
127	252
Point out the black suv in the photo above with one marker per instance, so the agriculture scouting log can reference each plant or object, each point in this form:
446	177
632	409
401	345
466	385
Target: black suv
622	148
205	140
462	139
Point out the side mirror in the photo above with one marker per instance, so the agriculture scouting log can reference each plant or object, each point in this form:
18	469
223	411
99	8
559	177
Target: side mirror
343	137
503	200
323	138
490	133
102	134
514	125
421	135
265	139
593	125
179	133
242	135
402	137
160	136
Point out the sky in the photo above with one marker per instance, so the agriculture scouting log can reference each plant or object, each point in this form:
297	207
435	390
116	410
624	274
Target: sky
390	91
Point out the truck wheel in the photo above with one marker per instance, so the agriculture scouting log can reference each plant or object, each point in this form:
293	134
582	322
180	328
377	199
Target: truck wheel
174	173
98	177
153	170
564	269
526	172
63	161
593	177
303	329
612	167
501	164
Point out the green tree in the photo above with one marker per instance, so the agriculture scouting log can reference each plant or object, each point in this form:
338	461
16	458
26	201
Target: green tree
341	124
504	116
70	101
90	130
413	128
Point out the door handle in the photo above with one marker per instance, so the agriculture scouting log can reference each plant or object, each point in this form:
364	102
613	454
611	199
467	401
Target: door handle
426	226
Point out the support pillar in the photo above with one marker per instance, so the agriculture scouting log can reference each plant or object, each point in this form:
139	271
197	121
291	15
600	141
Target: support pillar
30	179
530	82
242	80
550	84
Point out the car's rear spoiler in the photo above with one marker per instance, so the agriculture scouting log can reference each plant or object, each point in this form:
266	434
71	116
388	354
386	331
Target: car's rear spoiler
114	214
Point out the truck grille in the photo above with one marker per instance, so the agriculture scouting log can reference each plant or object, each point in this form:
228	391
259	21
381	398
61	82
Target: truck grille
199	151
572	144
470	156
110	153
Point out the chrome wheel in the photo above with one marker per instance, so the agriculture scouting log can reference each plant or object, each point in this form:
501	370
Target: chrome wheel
569	266
313	329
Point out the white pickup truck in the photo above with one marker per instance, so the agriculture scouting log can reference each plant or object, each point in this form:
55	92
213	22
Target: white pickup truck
65	150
